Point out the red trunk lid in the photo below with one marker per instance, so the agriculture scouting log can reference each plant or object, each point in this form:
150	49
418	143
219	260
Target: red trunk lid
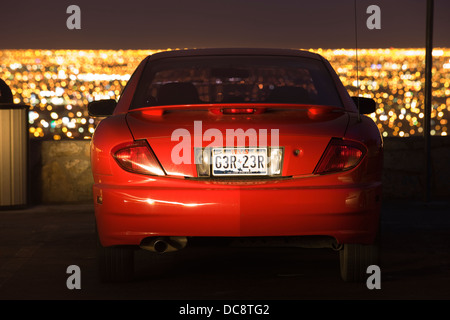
303	131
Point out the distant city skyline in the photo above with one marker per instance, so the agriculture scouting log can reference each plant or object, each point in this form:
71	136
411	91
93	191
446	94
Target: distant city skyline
58	84
116	24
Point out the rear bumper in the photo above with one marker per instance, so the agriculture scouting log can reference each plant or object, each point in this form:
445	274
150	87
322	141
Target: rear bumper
127	214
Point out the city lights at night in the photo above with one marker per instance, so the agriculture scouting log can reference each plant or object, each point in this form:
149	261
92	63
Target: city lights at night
58	84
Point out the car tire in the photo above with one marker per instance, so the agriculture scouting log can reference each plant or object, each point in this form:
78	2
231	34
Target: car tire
115	264
354	260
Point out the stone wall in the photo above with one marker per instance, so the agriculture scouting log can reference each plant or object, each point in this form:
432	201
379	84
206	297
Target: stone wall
61	173
404	168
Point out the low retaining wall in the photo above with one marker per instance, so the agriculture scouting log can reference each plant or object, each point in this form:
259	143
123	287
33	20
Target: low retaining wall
404	168
61	172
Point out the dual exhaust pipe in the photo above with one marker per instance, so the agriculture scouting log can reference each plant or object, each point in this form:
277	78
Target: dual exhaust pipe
163	244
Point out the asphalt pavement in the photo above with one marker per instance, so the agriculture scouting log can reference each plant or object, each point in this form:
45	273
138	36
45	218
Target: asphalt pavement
40	243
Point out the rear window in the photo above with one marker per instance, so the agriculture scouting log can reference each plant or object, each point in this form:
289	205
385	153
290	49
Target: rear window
236	79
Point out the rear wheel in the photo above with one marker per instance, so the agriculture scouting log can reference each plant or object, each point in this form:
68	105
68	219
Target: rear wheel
354	260
115	264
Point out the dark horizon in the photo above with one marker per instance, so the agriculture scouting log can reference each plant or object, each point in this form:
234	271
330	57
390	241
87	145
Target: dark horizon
326	24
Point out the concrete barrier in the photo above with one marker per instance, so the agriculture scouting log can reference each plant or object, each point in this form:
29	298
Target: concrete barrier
61	171
404	168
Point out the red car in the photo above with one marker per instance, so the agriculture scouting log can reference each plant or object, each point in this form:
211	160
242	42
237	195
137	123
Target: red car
236	143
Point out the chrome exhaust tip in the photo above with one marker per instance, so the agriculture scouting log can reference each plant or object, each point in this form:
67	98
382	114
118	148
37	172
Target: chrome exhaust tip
163	244
160	246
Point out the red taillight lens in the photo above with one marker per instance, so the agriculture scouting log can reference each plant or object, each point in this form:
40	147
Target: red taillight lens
138	158
340	155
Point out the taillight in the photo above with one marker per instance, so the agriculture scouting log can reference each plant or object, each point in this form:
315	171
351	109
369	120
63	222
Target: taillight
340	155
138	158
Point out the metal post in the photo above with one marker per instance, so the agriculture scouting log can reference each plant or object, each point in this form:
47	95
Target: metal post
428	96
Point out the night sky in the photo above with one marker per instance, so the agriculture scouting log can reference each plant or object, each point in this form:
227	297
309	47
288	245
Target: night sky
165	24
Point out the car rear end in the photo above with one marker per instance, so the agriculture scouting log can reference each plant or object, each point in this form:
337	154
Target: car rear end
319	186
239	156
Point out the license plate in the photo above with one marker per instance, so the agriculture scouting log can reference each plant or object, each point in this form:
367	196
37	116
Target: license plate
239	161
